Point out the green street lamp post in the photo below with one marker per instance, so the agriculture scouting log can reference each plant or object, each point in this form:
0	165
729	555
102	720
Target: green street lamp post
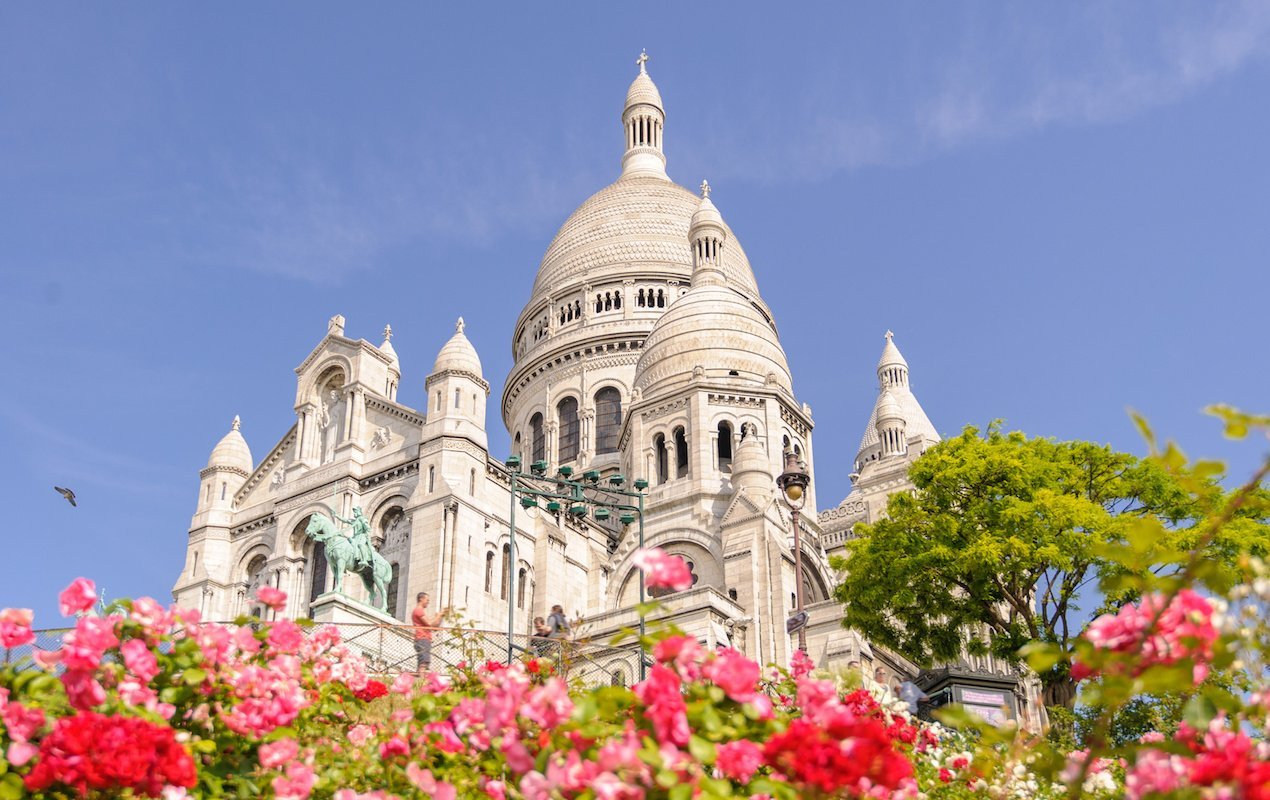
601	497
793	485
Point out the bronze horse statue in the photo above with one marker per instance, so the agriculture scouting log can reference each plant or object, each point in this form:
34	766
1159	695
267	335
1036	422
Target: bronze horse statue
341	554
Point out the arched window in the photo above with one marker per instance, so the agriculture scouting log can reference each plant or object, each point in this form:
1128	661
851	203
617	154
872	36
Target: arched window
438	408
681	454
489	571
458	401
317	572
661	298
538	443
784	444
639	299
567	412
659	452
608	301
608	419
522	578
432	478
393	590
725	447
617	301
506	571
471	483
224	487
516	448
599	304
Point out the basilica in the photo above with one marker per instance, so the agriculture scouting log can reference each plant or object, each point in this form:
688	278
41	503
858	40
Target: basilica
644	349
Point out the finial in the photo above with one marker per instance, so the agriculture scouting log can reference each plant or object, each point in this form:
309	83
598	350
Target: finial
237	422
889	336
705	189
458	326
387	333
642	60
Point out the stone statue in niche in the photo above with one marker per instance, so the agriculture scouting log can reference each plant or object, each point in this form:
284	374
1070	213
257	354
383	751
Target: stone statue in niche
279	478
330	420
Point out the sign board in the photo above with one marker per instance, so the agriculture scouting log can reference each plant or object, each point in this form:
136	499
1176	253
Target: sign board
796	622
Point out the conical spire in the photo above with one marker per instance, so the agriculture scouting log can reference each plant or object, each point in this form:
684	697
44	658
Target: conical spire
896	408
643	119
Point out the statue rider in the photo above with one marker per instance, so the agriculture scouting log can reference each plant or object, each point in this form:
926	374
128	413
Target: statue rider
363	555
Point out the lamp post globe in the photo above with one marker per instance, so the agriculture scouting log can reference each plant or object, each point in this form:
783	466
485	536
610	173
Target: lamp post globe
793	485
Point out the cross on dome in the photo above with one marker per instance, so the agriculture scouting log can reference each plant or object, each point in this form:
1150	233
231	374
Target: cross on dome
705	188
237	422
642	60
387	333
889	336
458	326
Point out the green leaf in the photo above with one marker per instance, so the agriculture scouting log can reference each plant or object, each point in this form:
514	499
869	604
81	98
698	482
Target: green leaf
701	749
1041	656
11	787
1198	712
194	677
682	791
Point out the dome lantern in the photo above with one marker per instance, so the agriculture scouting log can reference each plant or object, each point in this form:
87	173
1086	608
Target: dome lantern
643	119
707	235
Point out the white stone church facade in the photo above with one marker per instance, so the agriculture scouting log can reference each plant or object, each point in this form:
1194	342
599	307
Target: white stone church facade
645	349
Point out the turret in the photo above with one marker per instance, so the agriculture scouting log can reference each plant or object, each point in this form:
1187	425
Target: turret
457	391
707	236
891	426
643	119
227	470
394	367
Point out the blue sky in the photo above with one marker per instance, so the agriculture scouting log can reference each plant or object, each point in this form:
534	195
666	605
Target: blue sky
1061	211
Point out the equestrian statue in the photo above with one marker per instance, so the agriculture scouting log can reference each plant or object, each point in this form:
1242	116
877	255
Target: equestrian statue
352	552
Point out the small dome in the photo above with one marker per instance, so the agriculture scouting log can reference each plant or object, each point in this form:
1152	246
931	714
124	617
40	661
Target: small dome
458	354
706	213
387	349
751	469
232	451
643	91
891	356
713	326
888	407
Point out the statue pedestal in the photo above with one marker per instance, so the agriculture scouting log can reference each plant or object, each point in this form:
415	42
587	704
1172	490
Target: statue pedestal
385	642
334	608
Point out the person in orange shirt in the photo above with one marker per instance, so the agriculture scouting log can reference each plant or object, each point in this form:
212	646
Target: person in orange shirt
425	626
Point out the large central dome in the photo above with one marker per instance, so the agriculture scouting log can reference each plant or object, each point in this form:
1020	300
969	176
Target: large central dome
640	223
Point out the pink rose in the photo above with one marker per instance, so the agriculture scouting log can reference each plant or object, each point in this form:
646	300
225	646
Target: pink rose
739	760
77	597
662	570
274	598
297	784
275	754
735	674
430	786
15	627
139	660
396	746
20	753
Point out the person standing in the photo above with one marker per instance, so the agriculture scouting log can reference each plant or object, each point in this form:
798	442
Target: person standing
425	625
557	623
541	637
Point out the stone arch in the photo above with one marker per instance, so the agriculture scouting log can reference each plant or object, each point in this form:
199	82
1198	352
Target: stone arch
322	374
676	541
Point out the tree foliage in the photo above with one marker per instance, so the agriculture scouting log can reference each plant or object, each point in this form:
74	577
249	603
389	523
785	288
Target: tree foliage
1005	539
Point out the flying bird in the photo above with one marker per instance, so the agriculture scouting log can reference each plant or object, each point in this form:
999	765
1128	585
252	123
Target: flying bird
68	494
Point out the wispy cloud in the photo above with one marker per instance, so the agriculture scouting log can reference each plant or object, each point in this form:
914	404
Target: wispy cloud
999	78
301	216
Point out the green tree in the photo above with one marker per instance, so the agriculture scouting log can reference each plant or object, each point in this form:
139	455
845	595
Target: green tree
1004	536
